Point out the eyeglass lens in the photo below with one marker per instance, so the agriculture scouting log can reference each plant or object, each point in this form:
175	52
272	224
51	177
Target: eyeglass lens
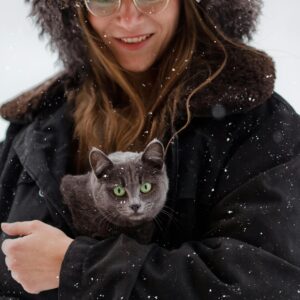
107	7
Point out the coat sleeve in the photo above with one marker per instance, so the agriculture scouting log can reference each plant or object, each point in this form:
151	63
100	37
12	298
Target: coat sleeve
1	150
5	145
251	250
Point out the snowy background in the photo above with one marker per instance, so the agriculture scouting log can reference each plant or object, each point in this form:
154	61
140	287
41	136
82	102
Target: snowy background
26	61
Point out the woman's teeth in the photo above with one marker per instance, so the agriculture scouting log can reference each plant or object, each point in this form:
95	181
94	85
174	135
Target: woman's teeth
135	40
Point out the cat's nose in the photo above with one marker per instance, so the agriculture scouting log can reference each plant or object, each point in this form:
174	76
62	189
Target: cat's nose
135	207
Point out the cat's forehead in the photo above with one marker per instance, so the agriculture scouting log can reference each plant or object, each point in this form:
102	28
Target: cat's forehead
120	157
130	169
126	162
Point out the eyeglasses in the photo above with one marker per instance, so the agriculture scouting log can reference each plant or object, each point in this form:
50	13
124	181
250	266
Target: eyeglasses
103	8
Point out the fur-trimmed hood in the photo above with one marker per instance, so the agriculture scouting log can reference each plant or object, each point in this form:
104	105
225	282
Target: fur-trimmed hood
58	20
246	81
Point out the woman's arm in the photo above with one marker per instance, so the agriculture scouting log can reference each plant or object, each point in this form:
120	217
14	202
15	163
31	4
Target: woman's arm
250	251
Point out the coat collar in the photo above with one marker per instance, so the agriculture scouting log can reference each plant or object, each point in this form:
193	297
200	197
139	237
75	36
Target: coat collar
246	82
24	107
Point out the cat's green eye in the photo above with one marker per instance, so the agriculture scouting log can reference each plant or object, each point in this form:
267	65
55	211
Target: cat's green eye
146	187
119	191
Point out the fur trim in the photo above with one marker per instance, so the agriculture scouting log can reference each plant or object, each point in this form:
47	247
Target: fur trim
236	18
246	81
22	108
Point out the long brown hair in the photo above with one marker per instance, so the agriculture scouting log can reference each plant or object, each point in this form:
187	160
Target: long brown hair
110	112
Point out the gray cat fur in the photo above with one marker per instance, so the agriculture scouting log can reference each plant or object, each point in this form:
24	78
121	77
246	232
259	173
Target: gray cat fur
87	195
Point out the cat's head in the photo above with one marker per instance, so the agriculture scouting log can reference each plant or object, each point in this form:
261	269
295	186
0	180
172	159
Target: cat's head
129	188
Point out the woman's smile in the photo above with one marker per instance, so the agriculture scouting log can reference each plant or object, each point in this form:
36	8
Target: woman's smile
133	44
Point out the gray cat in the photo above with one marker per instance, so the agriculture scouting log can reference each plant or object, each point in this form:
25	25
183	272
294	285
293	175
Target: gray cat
123	192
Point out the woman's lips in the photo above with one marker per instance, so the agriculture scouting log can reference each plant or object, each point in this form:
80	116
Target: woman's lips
133	46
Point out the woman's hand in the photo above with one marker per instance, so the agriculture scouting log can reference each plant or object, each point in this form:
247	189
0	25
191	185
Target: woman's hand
35	258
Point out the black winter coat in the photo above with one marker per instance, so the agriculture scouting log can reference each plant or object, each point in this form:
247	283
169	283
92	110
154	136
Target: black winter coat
234	185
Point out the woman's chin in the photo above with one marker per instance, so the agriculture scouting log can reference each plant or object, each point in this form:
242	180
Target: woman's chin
135	66
135	69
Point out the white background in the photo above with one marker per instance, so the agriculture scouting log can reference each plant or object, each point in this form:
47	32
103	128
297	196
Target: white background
26	61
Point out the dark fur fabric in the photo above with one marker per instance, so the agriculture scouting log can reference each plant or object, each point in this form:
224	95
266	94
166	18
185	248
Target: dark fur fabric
237	18
246	81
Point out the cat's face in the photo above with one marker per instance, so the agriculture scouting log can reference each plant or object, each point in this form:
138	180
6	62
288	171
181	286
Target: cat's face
129	188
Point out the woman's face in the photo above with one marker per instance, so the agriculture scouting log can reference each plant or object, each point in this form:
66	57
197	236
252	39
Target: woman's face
129	22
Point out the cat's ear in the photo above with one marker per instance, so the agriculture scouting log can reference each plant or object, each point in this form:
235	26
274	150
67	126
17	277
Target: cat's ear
99	162
153	154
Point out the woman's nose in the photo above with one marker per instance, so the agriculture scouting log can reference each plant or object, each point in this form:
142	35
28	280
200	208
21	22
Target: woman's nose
128	12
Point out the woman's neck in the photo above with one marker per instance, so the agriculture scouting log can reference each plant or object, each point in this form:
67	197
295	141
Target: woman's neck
143	81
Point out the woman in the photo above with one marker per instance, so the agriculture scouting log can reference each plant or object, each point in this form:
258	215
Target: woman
135	70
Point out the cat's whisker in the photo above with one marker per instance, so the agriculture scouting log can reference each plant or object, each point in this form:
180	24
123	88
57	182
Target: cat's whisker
166	213
104	215
103	222
172	217
108	216
150	206
157	222
113	215
116	217
114	220
169	208
94	220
